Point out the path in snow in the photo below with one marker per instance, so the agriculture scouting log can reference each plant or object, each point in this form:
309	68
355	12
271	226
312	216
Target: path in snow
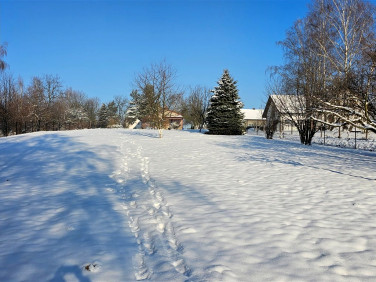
149	217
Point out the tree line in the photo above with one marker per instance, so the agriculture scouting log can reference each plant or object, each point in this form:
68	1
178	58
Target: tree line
328	79
45	104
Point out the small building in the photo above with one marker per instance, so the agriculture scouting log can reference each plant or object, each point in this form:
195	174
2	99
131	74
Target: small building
172	120
281	108
253	118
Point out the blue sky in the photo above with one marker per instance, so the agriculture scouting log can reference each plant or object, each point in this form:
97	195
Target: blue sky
98	46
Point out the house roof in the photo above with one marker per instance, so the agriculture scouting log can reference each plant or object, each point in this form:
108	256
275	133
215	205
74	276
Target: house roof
252	114
285	104
173	114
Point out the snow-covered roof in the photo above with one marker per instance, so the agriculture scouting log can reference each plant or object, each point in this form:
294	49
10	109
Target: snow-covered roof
170	113
254	114
286	104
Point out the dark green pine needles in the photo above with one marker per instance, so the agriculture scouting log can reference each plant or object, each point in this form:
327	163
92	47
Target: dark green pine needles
224	115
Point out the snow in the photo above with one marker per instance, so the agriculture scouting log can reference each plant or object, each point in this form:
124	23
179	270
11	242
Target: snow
330	138
252	114
125	205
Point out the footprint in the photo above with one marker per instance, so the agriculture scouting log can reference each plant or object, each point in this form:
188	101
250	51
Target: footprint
148	244
159	196
161	227
167	212
70	228
188	230
142	272
180	266
174	244
151	211
133	224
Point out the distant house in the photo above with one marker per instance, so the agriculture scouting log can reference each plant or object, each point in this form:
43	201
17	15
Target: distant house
253	118
281	108
172	120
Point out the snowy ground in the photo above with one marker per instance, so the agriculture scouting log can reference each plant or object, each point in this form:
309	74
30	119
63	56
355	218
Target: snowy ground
123	205
330	138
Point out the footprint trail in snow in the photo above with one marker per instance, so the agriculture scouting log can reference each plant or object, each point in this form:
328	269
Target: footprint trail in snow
160	254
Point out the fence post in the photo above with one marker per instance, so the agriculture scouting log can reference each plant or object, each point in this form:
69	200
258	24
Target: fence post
355	131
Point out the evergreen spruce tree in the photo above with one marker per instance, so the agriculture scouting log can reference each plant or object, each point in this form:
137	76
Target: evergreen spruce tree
224	115
131	114
103	117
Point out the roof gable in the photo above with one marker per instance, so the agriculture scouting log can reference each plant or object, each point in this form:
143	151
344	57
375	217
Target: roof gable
252	113
284	104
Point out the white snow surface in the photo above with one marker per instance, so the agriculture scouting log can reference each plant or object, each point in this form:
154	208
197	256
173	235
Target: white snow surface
125	205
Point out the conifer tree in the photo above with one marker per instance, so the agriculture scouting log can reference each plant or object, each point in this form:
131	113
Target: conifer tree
131	114
224	115
103	116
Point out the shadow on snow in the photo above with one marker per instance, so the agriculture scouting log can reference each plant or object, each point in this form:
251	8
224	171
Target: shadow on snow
350	162
55	209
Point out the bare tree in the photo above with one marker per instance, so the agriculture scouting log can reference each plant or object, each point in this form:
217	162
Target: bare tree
349	52
196	106
77	109
158	94
330	69
270	127
22	107
38	111
3	53
52	86
43	106
295	84
8	101
91	106
45	97
121	105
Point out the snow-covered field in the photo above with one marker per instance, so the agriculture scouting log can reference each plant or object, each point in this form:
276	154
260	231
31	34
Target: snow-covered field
124	205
